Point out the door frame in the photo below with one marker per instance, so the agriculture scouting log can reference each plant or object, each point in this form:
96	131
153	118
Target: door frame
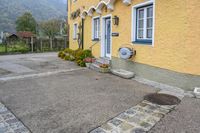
103	21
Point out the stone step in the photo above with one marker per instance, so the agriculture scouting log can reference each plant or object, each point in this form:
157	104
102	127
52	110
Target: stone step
97	68
123	73
102	60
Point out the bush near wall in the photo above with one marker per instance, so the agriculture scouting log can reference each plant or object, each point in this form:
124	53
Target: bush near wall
75	55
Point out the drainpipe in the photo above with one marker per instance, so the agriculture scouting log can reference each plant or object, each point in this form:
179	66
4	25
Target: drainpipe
82	34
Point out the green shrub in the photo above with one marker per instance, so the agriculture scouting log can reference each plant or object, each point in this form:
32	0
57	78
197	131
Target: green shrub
82	64
78	54
63	56
81	55
60	53
87	53
72	58
75	55
69	51
67	57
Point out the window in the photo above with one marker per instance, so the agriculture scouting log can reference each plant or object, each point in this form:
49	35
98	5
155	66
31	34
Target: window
144	24
96	28
75	31
143	19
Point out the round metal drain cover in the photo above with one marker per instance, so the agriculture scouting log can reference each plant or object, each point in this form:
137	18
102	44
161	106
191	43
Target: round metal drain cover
162	99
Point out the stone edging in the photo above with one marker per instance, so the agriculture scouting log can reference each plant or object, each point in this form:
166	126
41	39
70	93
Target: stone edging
9	123
138	119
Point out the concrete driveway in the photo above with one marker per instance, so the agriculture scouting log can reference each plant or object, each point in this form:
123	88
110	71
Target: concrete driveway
53	96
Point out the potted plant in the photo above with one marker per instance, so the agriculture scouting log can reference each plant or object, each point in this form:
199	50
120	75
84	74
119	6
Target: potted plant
104	68
88	61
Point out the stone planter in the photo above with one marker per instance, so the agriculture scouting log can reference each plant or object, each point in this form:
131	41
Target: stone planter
88	65
197	92
104	70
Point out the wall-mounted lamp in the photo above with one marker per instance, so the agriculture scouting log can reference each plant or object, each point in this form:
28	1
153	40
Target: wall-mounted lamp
116	20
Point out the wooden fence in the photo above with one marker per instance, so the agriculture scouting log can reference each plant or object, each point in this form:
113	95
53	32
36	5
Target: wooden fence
34	45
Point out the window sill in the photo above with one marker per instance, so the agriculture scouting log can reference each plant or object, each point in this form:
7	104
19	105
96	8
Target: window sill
142	42
96	39
74	38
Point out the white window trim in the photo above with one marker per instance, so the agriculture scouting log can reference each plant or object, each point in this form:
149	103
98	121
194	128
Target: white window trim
134	22
75	36
93	37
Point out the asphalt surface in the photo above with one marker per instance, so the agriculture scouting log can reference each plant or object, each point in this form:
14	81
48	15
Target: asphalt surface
184	119
74	101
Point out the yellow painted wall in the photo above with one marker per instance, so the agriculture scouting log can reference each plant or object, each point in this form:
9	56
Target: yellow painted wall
177	34
193	36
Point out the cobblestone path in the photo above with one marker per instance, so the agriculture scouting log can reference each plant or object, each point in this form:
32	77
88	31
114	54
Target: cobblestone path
9	123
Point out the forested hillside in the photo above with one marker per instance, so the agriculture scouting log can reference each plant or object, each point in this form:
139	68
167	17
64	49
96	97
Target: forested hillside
41	10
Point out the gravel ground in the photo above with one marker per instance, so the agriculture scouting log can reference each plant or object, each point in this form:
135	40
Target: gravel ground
184	119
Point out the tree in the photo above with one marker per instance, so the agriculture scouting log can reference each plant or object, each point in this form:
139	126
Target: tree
50	28
26	22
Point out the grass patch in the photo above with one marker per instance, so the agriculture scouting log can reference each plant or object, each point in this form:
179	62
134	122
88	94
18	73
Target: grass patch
17	47
2	48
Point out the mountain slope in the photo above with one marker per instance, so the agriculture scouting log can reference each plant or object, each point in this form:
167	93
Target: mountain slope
41	10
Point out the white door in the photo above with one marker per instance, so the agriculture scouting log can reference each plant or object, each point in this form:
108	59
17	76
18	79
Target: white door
107	42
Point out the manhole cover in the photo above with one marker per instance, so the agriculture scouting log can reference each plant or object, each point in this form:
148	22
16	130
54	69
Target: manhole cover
162	99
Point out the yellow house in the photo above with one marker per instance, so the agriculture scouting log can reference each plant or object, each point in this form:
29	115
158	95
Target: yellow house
164	33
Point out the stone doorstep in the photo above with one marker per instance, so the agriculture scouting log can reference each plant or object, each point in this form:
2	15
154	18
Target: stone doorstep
103	60
123	73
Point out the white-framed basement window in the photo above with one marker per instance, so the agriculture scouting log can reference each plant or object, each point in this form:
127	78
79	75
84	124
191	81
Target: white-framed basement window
143	23
95	28
75	31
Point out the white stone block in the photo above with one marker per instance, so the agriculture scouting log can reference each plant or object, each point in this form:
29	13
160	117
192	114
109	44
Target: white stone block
123	73
197	92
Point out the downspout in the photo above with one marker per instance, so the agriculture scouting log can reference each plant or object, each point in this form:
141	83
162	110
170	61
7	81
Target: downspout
82	34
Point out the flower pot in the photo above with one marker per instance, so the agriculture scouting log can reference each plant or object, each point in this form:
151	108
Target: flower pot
88	65
104	70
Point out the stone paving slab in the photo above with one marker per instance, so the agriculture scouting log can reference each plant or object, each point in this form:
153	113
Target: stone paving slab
9	123
138	119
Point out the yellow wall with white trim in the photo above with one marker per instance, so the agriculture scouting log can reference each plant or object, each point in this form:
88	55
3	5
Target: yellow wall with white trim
177	34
